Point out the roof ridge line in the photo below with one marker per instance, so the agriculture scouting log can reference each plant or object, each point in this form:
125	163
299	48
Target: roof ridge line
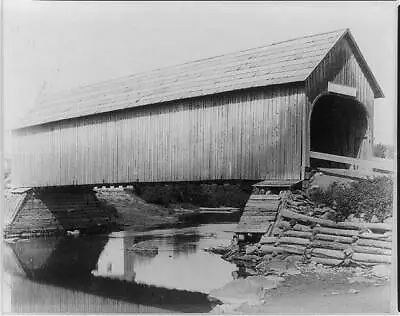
289	58
305	36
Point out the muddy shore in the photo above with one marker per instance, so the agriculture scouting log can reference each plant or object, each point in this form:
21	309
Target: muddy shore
133	213
308	288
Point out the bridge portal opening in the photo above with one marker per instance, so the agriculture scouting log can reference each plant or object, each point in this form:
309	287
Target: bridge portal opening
338	126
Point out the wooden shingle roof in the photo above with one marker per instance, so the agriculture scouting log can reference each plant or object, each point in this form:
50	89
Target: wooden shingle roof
278	63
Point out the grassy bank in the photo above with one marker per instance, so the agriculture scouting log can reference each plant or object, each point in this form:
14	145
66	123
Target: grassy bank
157	206
134	213
208	195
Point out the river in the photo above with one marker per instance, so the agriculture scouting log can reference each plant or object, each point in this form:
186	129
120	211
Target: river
100	274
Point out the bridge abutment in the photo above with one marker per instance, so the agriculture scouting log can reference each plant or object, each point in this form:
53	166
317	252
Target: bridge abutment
53	211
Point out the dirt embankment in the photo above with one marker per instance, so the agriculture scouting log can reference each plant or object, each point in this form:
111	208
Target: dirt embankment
134	213
144	207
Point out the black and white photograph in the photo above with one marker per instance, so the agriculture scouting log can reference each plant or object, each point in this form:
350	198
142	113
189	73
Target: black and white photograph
211	157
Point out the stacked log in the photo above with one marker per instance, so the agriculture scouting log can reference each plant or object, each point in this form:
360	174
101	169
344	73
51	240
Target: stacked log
299	202
328	242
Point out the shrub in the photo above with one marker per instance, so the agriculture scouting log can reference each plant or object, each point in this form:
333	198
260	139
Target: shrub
369	197
209	195
379	150
383	151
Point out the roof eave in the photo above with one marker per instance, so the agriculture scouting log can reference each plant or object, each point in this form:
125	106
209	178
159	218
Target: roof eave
378	92
333	45
34	124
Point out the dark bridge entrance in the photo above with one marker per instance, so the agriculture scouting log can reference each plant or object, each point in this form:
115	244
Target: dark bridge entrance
338	126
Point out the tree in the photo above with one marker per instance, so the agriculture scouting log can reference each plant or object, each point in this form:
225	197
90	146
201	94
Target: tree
380	150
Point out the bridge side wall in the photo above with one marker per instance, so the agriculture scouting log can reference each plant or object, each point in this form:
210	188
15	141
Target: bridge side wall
250	135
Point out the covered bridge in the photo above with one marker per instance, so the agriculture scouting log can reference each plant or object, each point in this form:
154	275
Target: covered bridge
265	113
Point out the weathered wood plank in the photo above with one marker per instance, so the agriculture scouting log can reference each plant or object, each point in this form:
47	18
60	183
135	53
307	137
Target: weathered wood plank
374	243
300	234
387	164
328	253
251	229
268	240
334	238
334	231
372	250
267	249
386	236
293	240
260	212
371	258
256	219
302	228
264	197
329	245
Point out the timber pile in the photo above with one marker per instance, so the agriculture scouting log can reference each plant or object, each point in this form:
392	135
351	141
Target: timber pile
43	213
298	202
291	224
259	213
328	242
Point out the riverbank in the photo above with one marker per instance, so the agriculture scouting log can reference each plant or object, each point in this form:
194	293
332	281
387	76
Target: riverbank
308	288
306	262
132	212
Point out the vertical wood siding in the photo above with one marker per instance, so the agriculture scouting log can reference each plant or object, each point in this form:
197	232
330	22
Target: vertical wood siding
249	135
341	66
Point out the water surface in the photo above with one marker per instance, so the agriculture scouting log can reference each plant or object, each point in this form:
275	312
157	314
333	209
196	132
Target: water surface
101	274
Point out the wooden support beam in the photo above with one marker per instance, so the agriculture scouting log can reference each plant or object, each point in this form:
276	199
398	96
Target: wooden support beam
342	89
383	164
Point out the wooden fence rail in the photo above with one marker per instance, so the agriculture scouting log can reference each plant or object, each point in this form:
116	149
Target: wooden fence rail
376	163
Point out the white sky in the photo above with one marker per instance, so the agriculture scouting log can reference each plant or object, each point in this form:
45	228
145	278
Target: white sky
52	46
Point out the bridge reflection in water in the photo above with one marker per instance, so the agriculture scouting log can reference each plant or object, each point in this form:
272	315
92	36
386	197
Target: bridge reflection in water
101	274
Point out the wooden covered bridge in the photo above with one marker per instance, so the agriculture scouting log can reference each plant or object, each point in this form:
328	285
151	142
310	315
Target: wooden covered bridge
266	113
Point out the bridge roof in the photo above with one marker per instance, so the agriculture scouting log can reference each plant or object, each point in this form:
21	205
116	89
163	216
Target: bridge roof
278	63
